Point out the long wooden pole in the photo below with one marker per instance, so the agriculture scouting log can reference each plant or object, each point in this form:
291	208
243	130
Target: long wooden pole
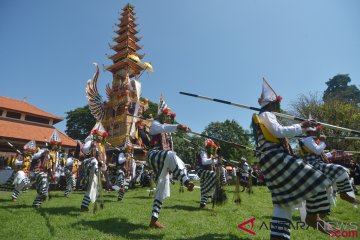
283	115
334	137
224	141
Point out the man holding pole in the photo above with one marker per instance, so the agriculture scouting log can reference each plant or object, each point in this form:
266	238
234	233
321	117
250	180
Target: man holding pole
126	168
163	159
40	169
206	170
70	176
289	179
312	151
95	152
21	180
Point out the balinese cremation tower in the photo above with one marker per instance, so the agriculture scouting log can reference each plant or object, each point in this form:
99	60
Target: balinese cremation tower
124	93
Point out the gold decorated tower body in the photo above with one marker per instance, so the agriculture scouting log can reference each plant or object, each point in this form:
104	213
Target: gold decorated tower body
123	94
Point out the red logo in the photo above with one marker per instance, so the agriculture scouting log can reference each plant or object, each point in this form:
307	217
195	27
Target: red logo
251	221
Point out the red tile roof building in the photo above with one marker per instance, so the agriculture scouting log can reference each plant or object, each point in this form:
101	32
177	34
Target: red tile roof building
21	122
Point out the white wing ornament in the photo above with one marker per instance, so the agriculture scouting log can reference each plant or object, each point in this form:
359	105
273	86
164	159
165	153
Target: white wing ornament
94	98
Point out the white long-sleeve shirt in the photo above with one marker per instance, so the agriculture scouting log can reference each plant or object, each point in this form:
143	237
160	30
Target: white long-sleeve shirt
87	146
205	160
18	162
246	168
310	143
121	158
38	154
157	128
69	162
276	129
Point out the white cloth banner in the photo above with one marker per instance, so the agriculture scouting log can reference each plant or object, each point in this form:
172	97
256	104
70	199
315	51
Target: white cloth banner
137	107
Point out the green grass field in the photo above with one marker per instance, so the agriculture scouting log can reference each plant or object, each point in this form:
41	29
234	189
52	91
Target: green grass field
59	218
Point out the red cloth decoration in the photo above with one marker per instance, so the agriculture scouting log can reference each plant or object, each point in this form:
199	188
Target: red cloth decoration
209	143
166	111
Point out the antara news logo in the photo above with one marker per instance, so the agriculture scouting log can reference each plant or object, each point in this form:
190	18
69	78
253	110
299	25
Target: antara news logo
342	229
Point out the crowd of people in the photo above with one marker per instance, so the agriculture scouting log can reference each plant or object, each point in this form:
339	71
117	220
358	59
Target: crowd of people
292	180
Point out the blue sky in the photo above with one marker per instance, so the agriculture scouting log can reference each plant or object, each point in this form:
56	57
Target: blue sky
215	48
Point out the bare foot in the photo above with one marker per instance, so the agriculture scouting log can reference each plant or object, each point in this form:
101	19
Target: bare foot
190	186
84	209
313	220
156	224
349	199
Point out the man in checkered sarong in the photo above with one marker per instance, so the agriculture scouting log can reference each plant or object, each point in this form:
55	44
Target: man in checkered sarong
162	159
289	179
312	150
206	170
96	157
40	168
126	169
21	180
70	177
91	173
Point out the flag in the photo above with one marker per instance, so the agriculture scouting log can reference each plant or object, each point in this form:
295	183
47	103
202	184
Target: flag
30	146
55	138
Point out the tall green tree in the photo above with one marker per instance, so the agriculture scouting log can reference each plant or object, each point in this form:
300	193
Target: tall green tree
151	110
339	89
188	148
79	123
230	130
335	112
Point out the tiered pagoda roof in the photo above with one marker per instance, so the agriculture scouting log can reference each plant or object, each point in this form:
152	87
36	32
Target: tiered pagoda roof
125	45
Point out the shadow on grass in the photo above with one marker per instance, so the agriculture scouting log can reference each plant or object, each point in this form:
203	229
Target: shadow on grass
114	199
120	227
5	200
45	215
186	208
60	194
71	211
217	236
81	192
142	197
16	206
109	194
